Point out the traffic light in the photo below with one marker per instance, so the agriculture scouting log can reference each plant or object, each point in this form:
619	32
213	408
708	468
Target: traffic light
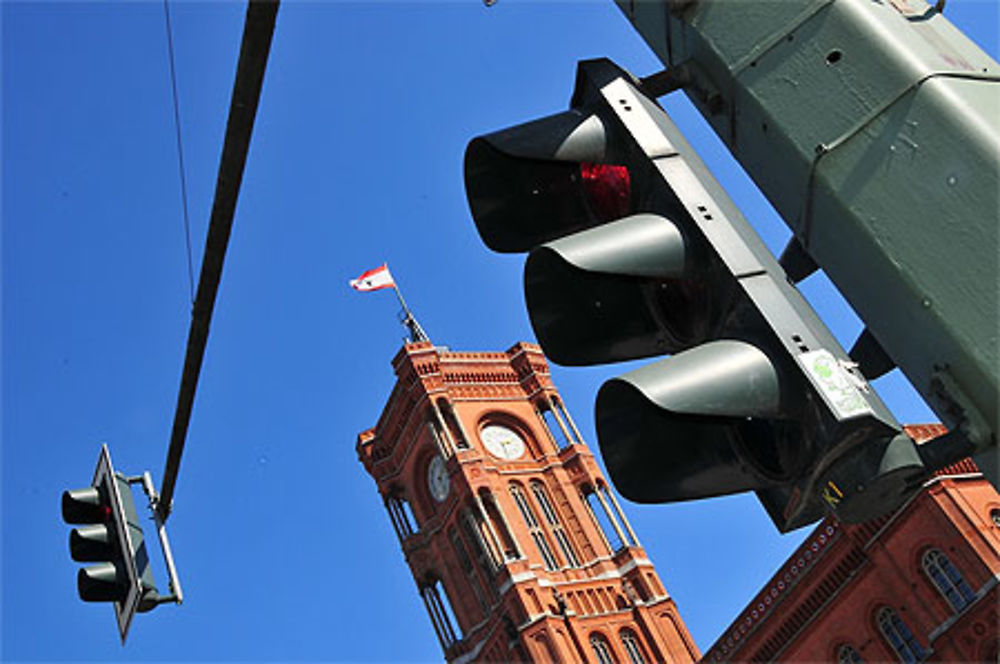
111	537
636	251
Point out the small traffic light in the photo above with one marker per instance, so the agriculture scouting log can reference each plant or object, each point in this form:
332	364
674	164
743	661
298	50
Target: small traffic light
111	537
636	251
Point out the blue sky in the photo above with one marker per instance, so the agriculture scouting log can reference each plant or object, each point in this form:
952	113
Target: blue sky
283	547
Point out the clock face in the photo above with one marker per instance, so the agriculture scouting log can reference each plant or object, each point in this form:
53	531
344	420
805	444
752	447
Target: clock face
437	479
502	442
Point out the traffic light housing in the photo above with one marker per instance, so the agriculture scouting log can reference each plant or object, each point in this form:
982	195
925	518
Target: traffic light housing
636	251
111	536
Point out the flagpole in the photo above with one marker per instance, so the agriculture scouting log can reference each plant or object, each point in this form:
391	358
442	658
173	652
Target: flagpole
380	278
416	332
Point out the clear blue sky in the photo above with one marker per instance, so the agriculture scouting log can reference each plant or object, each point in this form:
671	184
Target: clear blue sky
283	546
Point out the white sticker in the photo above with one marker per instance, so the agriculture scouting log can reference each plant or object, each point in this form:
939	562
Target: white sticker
838	387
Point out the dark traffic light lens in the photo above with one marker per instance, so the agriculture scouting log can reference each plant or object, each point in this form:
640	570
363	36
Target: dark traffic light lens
88	505
609	189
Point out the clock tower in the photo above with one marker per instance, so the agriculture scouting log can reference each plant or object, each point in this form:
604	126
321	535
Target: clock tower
519	549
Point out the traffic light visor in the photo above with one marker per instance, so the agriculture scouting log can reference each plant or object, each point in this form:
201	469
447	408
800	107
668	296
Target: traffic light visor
525	184
596	296
91	543
85	506
102	583
685	427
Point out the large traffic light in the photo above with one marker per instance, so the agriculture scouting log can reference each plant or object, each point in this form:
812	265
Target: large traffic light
112	537
636	251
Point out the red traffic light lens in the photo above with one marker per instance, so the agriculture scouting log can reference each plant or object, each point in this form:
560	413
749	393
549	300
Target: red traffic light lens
609	189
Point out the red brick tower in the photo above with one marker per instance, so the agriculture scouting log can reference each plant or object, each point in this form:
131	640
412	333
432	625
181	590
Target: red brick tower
519	548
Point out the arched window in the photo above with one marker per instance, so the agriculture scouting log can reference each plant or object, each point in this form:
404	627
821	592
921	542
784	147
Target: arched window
898	636
602	649
632	647
531	521
552	518
947	579
846	654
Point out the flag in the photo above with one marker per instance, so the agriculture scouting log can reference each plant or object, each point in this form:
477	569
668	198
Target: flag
374	279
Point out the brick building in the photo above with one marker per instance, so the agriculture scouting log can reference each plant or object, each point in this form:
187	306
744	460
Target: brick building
519	548
917	585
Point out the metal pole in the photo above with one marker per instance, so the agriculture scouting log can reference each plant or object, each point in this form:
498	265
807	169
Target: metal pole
416	332
148	487
257	33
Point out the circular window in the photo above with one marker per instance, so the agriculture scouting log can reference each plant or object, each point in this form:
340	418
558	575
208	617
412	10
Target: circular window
995	516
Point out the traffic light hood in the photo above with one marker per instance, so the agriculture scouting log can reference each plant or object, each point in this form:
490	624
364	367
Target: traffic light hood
688	426
523	185
596	296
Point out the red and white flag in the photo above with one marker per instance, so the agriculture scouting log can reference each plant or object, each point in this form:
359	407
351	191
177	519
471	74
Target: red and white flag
376	279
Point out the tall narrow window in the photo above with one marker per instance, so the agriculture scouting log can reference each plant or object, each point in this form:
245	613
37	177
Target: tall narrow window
626	531
603	519
408	515
555	427
846	654
440	440
602	649
484	554
499	521
454	426
401	515
632	647
442	617
899	637
561	409
553	520
468	570
531	521
947	579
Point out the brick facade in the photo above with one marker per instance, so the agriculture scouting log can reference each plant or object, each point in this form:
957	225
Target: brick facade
918	585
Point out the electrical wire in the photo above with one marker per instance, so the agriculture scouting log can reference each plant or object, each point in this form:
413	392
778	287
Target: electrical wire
180	150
